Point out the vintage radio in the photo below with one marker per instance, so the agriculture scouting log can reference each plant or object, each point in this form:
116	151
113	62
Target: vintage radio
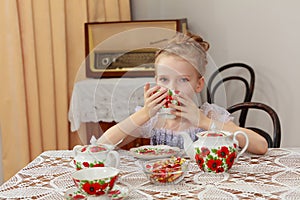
137	59
117	49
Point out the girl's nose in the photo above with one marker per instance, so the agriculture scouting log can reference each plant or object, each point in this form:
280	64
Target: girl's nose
172	85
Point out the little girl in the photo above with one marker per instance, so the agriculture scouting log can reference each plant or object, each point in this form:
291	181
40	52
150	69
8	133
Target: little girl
179	66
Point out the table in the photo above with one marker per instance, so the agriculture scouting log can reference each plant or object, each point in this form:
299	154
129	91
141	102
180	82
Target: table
275	175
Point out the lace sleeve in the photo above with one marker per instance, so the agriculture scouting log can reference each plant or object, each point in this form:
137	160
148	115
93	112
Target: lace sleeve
216	112
145	129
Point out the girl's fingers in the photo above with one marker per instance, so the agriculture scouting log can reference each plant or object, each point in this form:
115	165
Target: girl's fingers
176	107
158	106
146	87
162	93
148	91
177	113
160	100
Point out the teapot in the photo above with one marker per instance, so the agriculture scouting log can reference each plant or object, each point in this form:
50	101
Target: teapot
95	156
214	151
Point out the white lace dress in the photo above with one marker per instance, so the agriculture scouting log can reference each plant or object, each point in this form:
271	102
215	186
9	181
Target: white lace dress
160	136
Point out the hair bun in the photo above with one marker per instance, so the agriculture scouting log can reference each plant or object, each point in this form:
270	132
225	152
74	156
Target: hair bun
199	40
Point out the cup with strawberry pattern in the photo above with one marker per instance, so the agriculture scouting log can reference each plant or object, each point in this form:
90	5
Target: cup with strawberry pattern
96	182
89	156
165	111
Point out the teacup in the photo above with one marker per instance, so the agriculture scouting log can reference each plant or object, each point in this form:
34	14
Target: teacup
95	156
98	181
165	111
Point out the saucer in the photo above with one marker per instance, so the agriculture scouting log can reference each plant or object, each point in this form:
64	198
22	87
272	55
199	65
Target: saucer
117	192
74	194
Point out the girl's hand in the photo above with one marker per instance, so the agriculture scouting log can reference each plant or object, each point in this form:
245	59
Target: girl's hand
154	99
190	111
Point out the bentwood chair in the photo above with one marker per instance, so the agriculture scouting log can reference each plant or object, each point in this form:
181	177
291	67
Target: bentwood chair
273	139
225	74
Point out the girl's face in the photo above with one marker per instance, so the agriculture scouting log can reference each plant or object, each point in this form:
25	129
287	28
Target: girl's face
176	73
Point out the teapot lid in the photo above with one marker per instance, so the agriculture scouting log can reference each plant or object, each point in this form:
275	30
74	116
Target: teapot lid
213	134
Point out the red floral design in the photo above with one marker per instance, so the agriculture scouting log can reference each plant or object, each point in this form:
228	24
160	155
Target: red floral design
223	152
101	192
99	165
115	192
170	99
91	188
230	159
220	169
86	164
204	151
112	181
78	196
83	149
199	160
103	186
214	164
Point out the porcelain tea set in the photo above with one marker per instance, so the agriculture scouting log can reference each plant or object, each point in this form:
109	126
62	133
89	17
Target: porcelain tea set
214	151
95	156
97	165
96	173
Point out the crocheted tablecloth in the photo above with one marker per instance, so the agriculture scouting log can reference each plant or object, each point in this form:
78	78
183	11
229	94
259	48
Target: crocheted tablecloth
275	175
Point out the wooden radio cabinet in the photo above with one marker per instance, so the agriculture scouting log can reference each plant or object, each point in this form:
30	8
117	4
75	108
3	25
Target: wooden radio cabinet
126	48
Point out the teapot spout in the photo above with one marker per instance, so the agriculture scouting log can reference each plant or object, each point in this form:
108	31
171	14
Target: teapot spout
188	145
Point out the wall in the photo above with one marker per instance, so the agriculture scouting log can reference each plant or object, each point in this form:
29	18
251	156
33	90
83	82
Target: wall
264	34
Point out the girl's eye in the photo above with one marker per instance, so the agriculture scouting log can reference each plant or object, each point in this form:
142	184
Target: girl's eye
162	79
184	80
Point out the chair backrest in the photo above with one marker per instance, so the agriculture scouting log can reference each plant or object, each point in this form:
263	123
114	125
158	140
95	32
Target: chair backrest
213	84
274	141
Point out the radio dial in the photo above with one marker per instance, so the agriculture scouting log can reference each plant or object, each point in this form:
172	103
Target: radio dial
105	61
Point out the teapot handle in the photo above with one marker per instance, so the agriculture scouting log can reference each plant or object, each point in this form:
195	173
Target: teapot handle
116	157
246	143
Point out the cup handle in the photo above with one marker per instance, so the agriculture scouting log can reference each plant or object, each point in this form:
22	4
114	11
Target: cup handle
75	149
115	155
246	144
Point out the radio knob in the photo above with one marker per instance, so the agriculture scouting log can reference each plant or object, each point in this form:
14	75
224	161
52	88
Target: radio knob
105	61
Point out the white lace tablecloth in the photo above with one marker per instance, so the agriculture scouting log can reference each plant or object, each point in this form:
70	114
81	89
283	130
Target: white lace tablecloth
275	175
107	100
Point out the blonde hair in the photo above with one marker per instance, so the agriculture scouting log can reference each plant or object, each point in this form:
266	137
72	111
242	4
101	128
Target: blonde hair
189	47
